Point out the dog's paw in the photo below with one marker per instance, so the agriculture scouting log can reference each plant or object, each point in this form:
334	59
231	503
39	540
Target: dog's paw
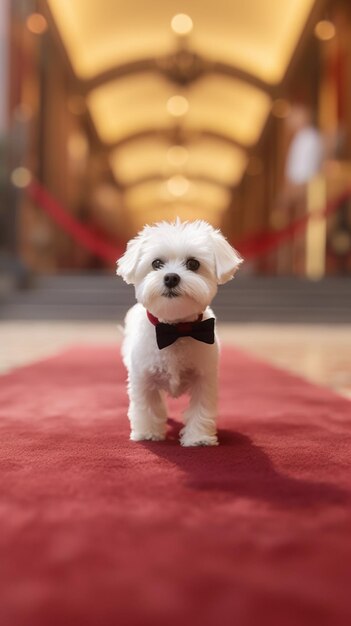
200	440
136	436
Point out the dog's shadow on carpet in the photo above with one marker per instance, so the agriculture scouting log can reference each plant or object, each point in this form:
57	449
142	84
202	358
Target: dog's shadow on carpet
244	470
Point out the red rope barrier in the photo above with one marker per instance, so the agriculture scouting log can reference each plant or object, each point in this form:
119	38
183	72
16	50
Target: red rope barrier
79	232
262	243
250	247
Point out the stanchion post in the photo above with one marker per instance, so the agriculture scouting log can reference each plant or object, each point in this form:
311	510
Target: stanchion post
316	230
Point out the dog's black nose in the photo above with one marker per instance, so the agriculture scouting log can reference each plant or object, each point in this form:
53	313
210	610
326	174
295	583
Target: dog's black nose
171	280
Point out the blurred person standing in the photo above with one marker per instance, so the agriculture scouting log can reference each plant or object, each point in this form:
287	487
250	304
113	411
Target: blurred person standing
306	152
304	161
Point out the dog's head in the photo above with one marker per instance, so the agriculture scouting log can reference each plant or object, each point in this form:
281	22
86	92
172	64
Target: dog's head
176	267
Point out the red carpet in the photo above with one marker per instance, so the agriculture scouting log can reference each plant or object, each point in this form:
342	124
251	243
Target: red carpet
96	530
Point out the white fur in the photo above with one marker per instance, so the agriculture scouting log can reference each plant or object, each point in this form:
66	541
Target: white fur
187	366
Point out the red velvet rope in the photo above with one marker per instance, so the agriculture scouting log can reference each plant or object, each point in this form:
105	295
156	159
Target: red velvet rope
250	247
82	234
264	242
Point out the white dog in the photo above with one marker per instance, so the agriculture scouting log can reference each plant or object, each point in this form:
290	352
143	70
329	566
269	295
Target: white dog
170	344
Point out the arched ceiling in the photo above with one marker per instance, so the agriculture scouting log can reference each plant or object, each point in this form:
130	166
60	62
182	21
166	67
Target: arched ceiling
179	128
215	103
199	158
258	36
210	195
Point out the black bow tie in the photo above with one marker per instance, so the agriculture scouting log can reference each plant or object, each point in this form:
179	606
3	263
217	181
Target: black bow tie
166	334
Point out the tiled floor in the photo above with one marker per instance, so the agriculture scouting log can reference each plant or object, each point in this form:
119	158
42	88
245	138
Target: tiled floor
321	354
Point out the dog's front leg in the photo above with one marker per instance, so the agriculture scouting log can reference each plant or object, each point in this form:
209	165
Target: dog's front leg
147	411
200	417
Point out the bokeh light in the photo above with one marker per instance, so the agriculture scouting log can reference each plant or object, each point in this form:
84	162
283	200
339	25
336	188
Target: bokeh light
324	30
178	186
36	23
177	106
182	24
21	177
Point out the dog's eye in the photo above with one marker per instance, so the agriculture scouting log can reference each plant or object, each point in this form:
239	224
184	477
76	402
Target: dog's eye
157	264
192	264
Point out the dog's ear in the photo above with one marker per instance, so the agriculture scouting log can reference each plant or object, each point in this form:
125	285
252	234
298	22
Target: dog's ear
227	259
127	264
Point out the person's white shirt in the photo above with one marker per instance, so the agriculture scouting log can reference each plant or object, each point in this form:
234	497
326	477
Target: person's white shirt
305	156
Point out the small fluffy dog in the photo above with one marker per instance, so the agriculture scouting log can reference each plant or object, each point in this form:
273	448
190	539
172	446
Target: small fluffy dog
170	344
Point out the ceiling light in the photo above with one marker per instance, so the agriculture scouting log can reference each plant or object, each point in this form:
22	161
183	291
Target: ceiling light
324	30
182	24
177	156
178	186
177	106
36	23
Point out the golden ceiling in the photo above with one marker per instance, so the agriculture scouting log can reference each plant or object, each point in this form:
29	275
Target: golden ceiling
218	104
179	144
258	36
